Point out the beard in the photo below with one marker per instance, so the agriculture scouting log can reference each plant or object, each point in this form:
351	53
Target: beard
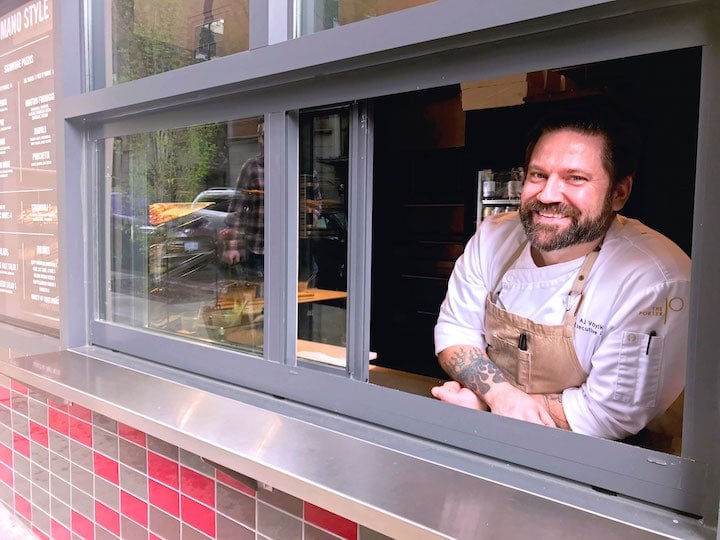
550	238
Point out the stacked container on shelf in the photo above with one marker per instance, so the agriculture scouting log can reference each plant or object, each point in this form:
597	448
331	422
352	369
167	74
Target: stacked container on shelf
499	191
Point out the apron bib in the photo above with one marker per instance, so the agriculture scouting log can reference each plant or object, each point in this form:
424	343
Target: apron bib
537	358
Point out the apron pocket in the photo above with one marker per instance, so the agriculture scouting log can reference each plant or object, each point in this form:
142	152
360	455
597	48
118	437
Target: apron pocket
515	363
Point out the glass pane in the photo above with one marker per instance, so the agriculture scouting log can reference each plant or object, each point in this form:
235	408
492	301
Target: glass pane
150	37
185	241
317	15
322	277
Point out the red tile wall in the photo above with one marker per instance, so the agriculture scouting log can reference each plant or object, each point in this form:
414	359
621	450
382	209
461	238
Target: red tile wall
70	472
107	518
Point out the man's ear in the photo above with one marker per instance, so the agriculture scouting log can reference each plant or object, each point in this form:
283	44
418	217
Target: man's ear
621	193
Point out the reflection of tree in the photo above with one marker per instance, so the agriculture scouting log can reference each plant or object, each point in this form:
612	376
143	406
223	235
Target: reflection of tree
170	165
147	44
150	37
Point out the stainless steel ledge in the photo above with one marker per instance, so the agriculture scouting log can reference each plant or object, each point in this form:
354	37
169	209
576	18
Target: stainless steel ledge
391	491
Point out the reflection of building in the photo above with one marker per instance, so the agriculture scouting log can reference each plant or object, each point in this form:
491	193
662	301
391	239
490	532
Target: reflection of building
153	38
242	143
208	39
357	10
316	15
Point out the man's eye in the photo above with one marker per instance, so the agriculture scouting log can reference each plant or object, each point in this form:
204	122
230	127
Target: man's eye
536	176
577	179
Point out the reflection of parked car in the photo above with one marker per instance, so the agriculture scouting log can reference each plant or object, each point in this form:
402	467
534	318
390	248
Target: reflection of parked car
166	240
187	246
219	201
192	243
220	198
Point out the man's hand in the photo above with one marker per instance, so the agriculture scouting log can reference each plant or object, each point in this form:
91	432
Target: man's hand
506	400
452	392
231	256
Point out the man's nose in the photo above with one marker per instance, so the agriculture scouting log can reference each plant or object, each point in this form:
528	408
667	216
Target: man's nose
552	191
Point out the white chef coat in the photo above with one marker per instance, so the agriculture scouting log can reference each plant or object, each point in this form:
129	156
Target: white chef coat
639	284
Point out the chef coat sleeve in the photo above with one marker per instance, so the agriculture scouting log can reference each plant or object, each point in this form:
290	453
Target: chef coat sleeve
462	313
634	375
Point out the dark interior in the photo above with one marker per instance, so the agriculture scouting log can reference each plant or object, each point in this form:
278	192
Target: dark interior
428	152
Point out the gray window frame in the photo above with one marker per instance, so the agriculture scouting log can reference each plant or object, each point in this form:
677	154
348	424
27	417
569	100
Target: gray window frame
423	47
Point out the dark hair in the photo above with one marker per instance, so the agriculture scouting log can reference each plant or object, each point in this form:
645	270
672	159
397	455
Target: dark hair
622	139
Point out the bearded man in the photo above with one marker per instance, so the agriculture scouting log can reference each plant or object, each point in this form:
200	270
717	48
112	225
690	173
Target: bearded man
566	313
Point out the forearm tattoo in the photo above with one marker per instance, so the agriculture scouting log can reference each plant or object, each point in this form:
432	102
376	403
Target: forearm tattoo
471	368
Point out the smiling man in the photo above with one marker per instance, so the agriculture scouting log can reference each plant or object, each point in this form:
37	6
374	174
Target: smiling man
566	313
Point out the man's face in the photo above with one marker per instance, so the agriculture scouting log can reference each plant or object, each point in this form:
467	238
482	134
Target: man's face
566	200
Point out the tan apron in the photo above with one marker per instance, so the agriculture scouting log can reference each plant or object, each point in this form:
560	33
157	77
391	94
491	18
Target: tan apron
549	364
537	358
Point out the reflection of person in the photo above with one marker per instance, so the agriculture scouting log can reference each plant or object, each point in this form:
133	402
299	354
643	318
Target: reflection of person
308	267
243	239
314	198
567	314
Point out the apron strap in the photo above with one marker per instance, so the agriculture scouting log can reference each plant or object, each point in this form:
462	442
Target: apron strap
575	295
495	290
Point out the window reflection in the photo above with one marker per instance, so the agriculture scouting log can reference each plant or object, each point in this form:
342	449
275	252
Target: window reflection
322	236
153	37
176	210
317	15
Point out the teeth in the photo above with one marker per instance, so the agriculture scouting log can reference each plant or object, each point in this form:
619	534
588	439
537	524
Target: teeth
544	214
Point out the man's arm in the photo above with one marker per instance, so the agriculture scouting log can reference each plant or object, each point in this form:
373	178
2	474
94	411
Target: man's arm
469	366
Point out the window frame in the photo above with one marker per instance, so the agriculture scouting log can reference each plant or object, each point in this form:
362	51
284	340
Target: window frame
354	71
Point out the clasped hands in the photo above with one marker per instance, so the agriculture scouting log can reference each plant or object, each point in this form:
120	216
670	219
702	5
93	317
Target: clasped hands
503	399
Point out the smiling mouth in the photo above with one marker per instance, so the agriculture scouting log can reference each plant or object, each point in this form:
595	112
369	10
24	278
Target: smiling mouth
552	215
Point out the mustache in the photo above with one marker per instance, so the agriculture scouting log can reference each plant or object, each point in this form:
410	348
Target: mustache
558	208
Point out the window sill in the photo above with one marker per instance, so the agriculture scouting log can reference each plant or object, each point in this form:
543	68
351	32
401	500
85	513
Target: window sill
401	486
